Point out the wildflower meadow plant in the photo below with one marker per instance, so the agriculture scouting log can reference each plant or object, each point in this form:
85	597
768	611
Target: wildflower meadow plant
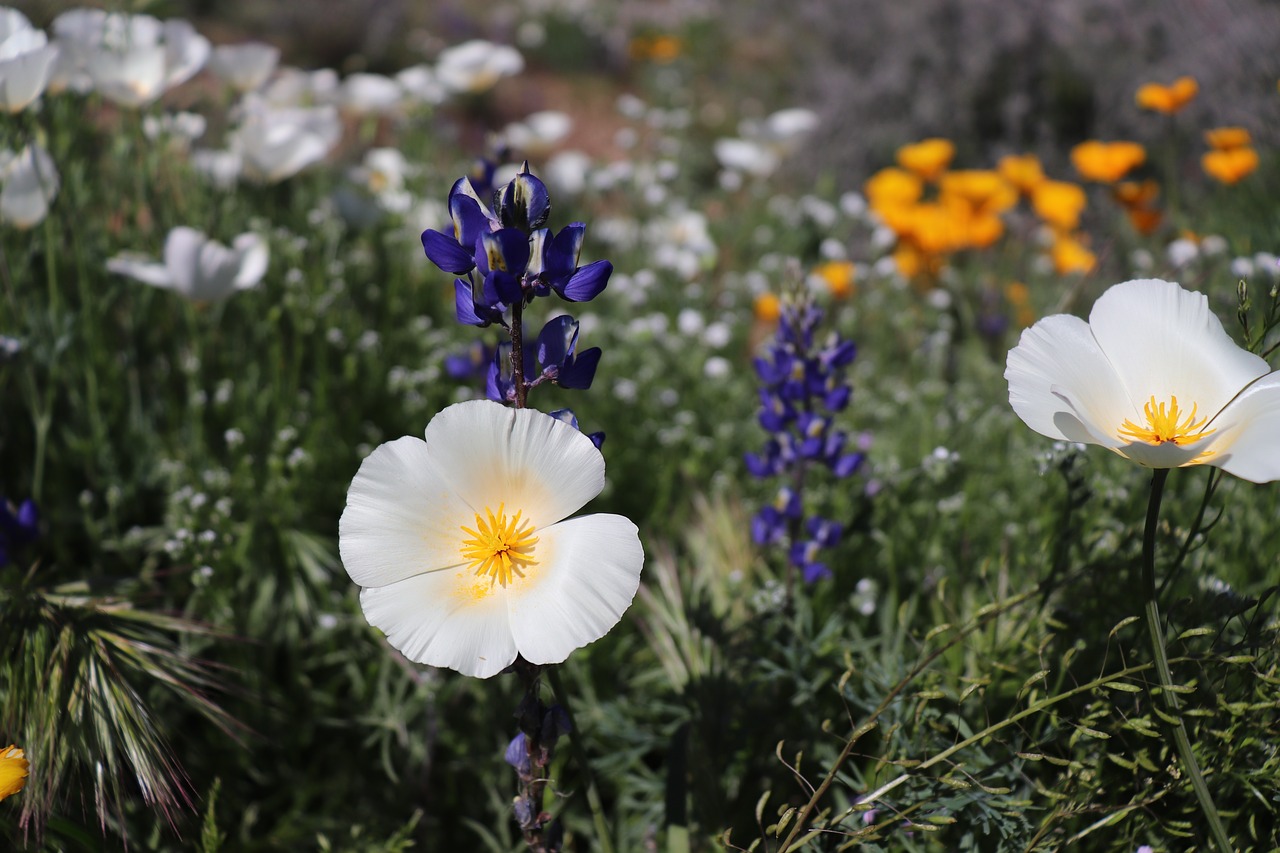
462	541
1116	382
802	390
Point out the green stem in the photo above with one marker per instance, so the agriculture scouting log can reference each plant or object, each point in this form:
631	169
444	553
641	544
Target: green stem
580	756
1156	629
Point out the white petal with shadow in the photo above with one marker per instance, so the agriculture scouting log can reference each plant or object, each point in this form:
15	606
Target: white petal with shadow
1164	341
521	458
435	619
588	575
402	518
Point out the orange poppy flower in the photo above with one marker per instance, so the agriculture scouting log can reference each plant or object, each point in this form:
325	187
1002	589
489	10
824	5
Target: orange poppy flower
768	308
1137	193
1059	203
1071	256
1021	170
838	276
1106	162
928	158
890	187
1226	138
1167	99
1230	165
983	190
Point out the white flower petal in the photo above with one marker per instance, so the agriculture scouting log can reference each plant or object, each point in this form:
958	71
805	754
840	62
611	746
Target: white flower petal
403	516
143	270
1164	341
521	458
1248	446
1058	377
254	255
433	619
588	572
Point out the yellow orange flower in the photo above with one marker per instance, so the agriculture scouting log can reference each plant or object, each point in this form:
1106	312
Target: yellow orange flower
1021	170
661	48
1230	165
1059	203
768	308
983	190
1144	220
928	158
1139	201
890	188
1072	256
1226	138
1106	162
1018	295
1167	99
838	276
13	771
1137	193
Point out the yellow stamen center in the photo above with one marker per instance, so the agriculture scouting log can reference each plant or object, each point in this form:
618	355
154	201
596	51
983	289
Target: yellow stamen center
1165	423
499	547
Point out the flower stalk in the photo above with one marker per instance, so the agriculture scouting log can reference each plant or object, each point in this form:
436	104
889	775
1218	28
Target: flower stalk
1155	629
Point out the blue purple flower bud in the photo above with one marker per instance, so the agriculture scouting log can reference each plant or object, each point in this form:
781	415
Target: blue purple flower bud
19	526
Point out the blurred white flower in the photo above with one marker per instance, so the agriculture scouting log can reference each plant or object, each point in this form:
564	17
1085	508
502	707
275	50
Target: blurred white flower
1181	252
476	66
221	168
538	134
181	127
567	172
26	61
1242	267
421	84
30	183
717	367
382	174
277	143
761	146
130	59
244	66
294	87
198	268
746	156
369	94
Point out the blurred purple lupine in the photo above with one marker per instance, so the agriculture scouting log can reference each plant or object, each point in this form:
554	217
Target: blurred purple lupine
802	386
19	525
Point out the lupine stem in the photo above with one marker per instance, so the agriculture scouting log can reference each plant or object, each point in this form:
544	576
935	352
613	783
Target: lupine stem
1156	629
517	356
580	755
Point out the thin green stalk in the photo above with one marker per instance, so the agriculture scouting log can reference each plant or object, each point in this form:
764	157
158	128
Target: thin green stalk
580	755
1156	629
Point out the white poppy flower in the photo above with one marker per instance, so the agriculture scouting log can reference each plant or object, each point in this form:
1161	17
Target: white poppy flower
245	66
421	85
539	133
476	66
370	94
198	268
277	143
133	59
1153	377
464	548
30	183
26	61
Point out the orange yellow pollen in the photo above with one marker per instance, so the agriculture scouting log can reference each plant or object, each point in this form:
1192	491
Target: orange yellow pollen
1166	424
500	548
